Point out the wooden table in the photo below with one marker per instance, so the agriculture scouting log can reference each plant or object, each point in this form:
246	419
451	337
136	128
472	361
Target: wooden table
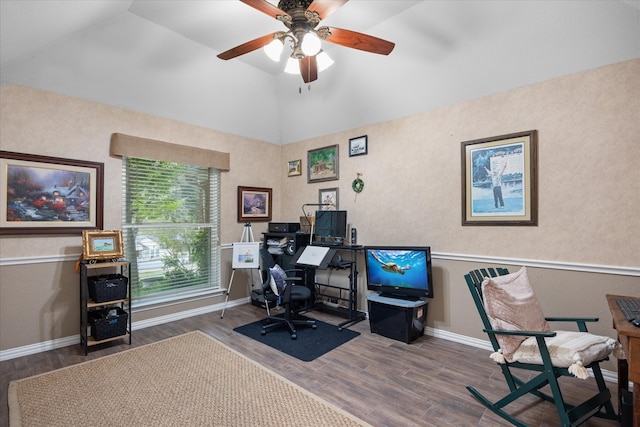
628	370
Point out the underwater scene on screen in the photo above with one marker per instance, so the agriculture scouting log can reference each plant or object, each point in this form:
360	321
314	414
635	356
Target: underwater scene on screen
402	268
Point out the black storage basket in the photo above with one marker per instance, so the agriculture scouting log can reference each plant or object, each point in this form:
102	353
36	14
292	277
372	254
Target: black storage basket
104	326
107	287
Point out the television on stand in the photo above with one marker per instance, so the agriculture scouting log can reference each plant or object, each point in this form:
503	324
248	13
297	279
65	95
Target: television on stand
399	271
330	227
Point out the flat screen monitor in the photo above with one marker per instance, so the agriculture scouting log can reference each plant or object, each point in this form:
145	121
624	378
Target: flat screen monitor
399	271
331	226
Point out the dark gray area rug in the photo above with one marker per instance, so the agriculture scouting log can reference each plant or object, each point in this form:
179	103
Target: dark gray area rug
310	343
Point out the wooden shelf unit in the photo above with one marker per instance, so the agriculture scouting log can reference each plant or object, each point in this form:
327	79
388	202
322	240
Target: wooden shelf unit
88	269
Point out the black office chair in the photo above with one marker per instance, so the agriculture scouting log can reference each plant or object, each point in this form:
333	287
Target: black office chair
279	287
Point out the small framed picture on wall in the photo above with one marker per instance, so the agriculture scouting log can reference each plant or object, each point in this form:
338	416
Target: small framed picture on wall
358	146
295	168
329	198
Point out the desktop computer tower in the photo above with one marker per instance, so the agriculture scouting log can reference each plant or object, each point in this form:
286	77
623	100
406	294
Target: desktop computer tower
395	318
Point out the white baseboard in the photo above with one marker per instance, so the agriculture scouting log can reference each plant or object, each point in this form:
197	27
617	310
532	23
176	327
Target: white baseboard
75	340
26	350
186	314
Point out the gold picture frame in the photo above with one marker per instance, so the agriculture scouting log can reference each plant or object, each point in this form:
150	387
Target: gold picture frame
295	168
103	244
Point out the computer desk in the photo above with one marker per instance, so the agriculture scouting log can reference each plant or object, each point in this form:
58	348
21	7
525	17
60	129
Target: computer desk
351	312
628	370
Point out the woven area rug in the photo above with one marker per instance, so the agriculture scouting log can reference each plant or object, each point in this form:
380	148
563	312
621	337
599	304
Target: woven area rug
309	344
188	380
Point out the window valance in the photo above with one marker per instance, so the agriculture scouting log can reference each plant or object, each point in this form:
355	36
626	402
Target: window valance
133	146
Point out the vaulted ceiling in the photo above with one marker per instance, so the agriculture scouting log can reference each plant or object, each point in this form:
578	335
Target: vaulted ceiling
159	57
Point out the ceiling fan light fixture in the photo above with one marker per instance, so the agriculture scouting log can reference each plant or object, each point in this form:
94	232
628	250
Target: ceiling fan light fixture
324	61
274	49
311	44
301	18
292	66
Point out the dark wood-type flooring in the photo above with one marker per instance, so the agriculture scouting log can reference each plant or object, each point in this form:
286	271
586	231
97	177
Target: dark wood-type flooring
380	380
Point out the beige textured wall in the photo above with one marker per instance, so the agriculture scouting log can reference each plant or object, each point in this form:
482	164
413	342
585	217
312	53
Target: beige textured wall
589	147
589	134
48	124
43	298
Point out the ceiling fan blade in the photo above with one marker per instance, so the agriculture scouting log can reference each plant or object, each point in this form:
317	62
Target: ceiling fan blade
265	7
247	47
360	41
324	8
309	69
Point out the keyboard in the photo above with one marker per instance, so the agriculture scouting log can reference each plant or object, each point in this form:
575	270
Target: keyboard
630	307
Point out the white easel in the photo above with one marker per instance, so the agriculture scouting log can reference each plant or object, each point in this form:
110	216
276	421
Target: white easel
247	237
247	233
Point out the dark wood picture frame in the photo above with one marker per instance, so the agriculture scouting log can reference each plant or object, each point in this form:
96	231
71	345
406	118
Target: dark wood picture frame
49	195
500	180
254	204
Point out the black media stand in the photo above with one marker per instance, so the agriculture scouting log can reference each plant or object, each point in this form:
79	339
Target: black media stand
397	318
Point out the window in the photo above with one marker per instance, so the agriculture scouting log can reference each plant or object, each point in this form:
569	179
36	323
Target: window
170	227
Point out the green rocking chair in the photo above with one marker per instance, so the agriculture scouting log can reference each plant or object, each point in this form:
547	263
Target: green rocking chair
542	341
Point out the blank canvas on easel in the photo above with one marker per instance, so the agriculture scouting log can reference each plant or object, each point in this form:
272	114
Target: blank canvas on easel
246	255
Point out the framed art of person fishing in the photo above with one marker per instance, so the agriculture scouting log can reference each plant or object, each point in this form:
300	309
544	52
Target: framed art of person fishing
499	180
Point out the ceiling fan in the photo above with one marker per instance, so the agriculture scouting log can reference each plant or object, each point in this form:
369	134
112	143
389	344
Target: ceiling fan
301	17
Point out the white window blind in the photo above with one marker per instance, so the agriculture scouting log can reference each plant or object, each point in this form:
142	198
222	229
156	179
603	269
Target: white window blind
170	223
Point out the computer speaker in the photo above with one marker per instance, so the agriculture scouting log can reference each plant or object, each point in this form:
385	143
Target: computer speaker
290	249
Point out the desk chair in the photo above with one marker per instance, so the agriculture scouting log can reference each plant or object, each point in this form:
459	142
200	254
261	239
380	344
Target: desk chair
279	287
522	339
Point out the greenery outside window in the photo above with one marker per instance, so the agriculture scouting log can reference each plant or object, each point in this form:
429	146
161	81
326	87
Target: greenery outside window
170	226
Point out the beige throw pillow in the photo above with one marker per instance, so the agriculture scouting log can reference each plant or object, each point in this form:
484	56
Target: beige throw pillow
511	305
573	350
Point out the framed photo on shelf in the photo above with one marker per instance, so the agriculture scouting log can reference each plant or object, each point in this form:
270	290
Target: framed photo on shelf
102	244
358	146
254	204
328	196
322	164
49	195
500	180
295	168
